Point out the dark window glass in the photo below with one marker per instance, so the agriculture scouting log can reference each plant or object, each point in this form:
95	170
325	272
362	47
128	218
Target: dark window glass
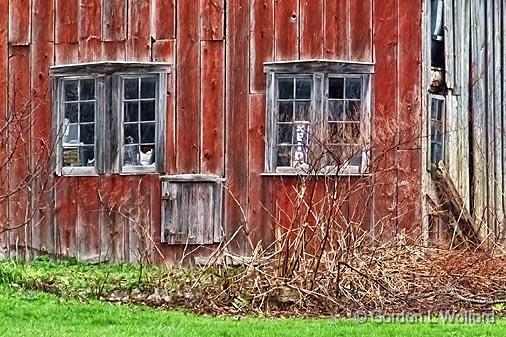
285	113
353	110
131	111
147	110
148	86
87	90
336	109
285	86
284	133
302	111
284	156
336	88
87	112
71	112
148	133
87	133
353	88
303	88
131	88
70	88
131	134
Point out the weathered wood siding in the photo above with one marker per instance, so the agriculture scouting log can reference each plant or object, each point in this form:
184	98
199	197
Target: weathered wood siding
215	111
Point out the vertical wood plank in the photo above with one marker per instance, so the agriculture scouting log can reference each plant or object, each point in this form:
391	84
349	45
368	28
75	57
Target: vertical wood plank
213	113
90	30
386	113
165	19
66	24
237	115
361	26
188	88
19	22
409	107
19	145
4	65
42	56
311	29
337	37
66	215
212	13
88	226
286	28
114	20
261	41
139	43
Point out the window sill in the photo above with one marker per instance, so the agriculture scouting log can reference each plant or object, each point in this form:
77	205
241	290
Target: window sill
78	172
322	174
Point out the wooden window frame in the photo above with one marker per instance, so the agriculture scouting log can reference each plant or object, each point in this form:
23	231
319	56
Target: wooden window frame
109	114
320	71
443	121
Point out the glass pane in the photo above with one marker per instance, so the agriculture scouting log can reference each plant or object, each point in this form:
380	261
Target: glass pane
336	133
131	88
148	133
148	110
70	157
71	112
87	89
353	88
437	109
284	156
336	88
131	155
284	133
436	153
70	135
352	133
353	109
87	156
303	88
355	155
131	111
87	133
302	110
301	134
148	86
87	113
336	109
131	133
285	112
299	155
147	155
285	86
70	90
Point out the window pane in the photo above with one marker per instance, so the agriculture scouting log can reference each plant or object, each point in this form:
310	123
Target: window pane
71	134
148	86
353	88
148	133
299	155
303	89
352	133
71	112
437	109
131	88
87	89
87	113
285	111
336	131
70	90
131	111
148	110
353	109
87	134
147	155
336	88
131	155
302	110
284	156
284	133
301	134
70	157
87	156
436	153
336	109
131	134
285	86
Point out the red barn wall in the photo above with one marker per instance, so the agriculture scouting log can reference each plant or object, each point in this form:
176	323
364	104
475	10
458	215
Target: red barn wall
215	110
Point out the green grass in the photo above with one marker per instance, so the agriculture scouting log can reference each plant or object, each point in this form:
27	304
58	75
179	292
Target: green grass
25	312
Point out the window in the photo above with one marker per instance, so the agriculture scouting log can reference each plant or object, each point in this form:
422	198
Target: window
437	129
318	116
110	117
